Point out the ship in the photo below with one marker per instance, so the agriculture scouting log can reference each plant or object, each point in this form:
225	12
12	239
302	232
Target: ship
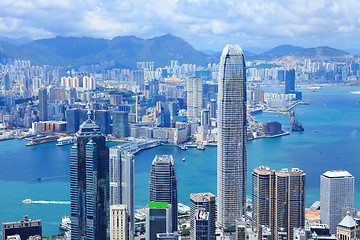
65	141
28	200
41	140
295	125
65	224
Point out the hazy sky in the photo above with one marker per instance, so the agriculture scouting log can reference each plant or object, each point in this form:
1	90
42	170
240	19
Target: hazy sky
206	24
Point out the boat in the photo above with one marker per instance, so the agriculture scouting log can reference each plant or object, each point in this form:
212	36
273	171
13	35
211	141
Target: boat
183	159
183	147
28	200
65	141
39	179
201	147
316	130
65	224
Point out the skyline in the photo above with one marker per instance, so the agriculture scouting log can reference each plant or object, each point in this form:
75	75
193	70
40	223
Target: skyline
206	24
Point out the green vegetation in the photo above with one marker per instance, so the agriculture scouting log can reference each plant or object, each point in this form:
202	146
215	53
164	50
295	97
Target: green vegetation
230	229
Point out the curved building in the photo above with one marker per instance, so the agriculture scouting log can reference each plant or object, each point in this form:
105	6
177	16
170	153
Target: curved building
231	150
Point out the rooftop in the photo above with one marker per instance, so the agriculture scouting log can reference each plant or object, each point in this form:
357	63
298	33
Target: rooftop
337	174
157	204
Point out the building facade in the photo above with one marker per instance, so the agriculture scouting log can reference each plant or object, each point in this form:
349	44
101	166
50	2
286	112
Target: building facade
89	184
207	202
122	182
336	193
158	219
119	222
232	136
194	98
24	228
163	184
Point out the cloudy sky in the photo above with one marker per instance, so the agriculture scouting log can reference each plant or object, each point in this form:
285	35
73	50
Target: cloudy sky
206	24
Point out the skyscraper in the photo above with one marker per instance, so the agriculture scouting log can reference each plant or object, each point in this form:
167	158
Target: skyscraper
122	184
201	225
163	184
43	107
278	201
89	184
336	193
194	98
206	202
290	81
231	151
102	118
121	124
158	219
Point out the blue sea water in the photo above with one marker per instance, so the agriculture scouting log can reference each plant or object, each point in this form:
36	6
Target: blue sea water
333	111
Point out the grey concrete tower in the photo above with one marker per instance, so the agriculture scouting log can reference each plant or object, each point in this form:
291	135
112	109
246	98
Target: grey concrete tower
231	151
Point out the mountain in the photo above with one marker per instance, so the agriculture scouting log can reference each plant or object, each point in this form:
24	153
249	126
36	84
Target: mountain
126	51
300	52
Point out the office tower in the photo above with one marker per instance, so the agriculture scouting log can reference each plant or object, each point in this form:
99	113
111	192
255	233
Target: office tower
213	108
167	236
89	184
336	193
194	98
165	115
119	222
205	117
290	81
163	184
137	108
281	75
158	219
289	201
121	127
6	82
43	107
232	136
122	183
72	94
205	201
278	201
201	225
173	109
24	228
72	120
102	119
263	196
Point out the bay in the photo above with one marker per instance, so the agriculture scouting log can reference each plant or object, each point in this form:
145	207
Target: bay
333	111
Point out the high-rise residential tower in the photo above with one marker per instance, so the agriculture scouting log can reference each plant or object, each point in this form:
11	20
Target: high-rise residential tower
43	107
231	150
122	184
278	201
89	184
163	184
336	193
194	98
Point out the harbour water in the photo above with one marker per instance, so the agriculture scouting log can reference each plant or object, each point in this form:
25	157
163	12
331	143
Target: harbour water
333	111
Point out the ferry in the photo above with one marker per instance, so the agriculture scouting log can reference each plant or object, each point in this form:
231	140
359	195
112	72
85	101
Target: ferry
65	141
27	200
183	147
65	224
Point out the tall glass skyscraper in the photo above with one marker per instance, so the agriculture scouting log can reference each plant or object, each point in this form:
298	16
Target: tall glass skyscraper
232	133
163	184
89	184
43	106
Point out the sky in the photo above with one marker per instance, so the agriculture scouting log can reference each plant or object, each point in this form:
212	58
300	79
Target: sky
206	24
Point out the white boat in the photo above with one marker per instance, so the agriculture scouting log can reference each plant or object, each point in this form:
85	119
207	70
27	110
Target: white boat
183	159
201	147
65	141
65	224
28	200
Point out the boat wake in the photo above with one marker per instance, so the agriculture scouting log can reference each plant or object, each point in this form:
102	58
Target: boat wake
28	201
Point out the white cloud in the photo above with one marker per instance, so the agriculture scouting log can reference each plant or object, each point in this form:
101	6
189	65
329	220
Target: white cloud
205	23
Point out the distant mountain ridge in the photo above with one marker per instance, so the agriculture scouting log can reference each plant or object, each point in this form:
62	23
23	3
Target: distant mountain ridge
127	50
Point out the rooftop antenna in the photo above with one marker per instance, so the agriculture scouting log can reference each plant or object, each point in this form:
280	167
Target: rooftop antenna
89	111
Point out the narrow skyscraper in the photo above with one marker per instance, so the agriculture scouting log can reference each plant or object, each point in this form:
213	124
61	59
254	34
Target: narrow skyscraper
231	147
43	111
89	184
336	193
163	184
194	98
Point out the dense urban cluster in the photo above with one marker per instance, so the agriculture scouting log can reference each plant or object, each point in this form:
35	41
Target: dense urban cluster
183	106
